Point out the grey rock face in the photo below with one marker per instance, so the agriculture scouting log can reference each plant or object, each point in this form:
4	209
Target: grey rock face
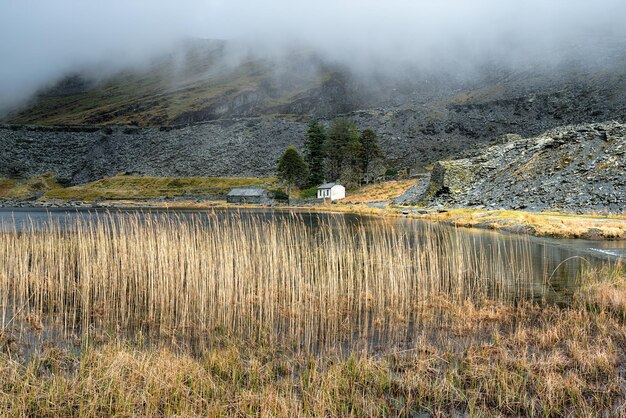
414	193
576	169
413	133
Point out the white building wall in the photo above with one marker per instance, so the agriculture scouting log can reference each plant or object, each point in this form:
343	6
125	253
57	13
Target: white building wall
337	192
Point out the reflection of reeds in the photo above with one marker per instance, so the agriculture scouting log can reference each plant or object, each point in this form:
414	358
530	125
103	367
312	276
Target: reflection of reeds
531	361
251	278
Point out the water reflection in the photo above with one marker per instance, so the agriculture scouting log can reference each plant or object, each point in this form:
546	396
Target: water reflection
457	262
560	261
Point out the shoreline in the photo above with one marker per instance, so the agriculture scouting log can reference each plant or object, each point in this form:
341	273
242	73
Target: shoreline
540	224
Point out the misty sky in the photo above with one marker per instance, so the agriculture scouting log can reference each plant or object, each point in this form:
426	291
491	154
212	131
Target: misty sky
41	40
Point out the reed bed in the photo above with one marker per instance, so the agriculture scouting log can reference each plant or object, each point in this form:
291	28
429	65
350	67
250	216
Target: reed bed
327	286
434	322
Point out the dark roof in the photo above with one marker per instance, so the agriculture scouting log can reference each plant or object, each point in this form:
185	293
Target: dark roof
248	191
328	185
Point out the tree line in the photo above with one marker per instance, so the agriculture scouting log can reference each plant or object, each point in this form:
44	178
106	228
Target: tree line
340	153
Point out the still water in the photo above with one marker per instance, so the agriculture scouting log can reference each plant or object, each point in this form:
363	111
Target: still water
559	260
546	269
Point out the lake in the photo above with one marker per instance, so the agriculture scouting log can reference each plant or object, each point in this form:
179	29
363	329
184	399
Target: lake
323	279
560	259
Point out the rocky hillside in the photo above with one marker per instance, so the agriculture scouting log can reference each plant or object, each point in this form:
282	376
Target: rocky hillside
204	80
576	168
83	154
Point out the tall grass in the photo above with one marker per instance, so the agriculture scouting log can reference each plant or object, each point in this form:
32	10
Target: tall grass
431	306
204	276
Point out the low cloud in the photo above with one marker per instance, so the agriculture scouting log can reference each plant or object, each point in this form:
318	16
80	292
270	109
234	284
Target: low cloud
42	41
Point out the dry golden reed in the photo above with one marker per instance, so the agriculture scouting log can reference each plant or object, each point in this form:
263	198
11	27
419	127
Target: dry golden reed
316	286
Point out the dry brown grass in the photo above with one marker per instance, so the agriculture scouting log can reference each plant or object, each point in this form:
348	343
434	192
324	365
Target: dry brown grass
336	321
528	361
540	224
379	192
605	290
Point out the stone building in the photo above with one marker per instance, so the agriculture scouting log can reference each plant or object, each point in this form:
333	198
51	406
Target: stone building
250	195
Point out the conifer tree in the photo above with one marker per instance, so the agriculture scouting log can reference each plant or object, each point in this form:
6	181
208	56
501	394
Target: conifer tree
292	168
370	150
342	135
315	155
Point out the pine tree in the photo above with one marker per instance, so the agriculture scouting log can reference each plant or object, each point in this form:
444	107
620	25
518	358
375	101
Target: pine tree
342	135
315	156
292	168
369	150
351	173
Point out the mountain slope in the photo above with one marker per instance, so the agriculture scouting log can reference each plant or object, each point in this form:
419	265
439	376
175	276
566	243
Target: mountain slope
201	80
205	80
78	155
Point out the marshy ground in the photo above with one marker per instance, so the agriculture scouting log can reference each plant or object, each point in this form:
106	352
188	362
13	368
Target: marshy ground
145	316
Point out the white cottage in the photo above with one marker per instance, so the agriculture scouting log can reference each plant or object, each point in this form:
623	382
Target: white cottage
332	191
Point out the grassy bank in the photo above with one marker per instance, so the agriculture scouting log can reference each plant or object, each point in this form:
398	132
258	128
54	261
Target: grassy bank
27	188
122	187
546	224
135	191
135	187
378	192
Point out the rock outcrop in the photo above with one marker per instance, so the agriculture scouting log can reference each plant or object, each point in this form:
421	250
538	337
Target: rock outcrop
575	168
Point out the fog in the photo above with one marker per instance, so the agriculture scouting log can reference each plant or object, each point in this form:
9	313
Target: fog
41	41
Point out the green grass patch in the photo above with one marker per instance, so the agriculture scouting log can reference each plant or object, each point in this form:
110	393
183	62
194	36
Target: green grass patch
308	193
136	187
7	186
27	188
